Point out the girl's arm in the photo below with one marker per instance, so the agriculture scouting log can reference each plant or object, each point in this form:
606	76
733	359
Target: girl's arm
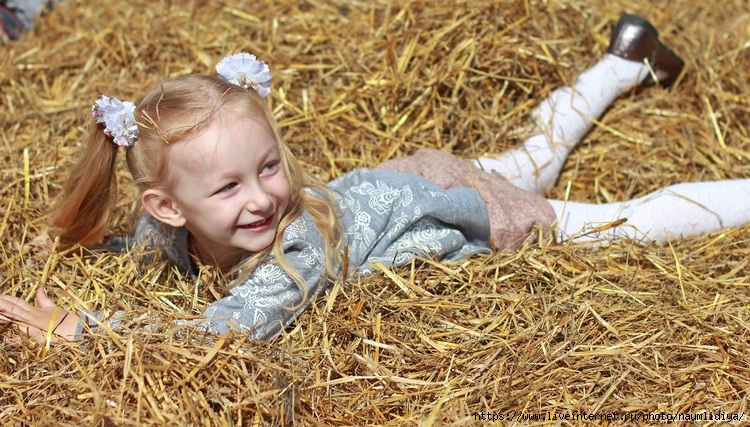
36	320
269	300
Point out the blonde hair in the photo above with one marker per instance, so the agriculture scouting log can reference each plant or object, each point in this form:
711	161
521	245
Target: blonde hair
169	113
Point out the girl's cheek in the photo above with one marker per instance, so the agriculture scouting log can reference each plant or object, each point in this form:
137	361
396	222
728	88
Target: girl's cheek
235	204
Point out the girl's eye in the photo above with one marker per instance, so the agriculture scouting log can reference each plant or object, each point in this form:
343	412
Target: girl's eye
227	187
270	167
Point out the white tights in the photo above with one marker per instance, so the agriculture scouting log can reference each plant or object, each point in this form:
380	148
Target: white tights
680	210
563	119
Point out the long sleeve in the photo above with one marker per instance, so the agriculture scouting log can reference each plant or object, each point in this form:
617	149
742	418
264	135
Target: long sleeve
150	234
261	304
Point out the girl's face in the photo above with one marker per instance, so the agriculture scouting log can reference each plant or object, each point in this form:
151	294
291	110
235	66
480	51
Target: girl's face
230	187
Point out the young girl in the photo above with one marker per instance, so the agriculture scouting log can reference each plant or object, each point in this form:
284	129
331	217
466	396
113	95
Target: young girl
220	187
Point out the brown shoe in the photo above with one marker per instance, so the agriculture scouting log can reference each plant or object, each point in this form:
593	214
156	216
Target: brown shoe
636	39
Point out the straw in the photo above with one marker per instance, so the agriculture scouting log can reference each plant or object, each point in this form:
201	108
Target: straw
552	329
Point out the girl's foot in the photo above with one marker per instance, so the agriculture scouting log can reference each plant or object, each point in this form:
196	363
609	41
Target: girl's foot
635	39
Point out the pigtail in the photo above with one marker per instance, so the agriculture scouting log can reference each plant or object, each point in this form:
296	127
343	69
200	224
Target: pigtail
82	210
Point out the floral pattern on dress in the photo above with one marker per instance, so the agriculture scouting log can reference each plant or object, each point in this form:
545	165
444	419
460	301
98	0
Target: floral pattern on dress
264	286
359	233
382	200
312	257
296	229
424	236
381	196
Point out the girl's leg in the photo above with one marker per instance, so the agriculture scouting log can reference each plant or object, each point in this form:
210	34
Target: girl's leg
561	122
680	210
563	119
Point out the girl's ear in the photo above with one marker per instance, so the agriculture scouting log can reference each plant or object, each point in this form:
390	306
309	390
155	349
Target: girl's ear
162	207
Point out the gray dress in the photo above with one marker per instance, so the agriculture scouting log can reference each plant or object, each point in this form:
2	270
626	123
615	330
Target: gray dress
387	217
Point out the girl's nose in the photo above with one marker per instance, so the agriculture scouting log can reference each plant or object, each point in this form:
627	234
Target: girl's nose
258	201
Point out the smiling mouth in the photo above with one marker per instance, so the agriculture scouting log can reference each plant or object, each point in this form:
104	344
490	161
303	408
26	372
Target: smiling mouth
258	224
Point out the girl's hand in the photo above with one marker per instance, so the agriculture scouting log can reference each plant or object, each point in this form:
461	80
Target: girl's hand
35	320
